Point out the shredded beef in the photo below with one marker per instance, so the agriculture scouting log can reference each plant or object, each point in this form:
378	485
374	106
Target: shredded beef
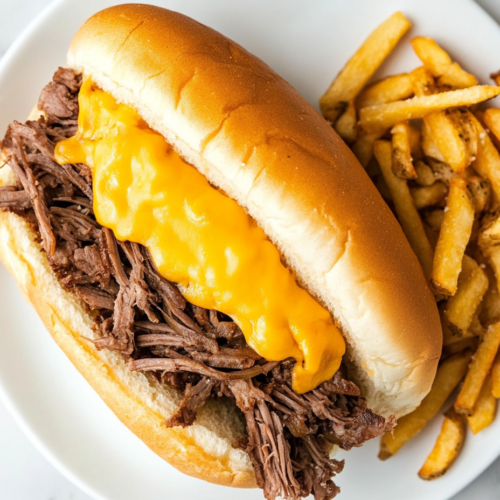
142	315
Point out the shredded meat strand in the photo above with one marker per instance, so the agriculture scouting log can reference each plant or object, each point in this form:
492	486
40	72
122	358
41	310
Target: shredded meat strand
143	316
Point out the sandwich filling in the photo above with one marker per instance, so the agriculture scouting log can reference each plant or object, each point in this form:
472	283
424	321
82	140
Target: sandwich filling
195	348
198	237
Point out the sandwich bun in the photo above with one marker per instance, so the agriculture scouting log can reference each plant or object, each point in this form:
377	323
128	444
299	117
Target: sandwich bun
253	136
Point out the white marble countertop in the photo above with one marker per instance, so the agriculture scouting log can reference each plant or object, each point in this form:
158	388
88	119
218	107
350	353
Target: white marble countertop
24	473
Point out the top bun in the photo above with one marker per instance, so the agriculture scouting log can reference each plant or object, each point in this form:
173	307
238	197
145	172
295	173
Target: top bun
251	134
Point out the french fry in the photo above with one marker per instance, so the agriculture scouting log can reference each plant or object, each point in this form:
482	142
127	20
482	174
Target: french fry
427	196
472	285
454	135
392	88
429	145
480	191
360	68
496	77
363	147
346	125
487	163
447	447
407	214
385	116
402	162
455	77
449	374
423	82
490	306
453	238
495	377
491	118
484	410
478	370
425	175
440	64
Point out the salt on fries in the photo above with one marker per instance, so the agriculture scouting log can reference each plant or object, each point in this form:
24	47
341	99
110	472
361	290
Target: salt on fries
434	156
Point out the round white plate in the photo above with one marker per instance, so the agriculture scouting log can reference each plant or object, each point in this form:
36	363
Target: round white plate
307	43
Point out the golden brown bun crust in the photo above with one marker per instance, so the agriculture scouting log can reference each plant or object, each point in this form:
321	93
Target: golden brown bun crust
203	450
254	136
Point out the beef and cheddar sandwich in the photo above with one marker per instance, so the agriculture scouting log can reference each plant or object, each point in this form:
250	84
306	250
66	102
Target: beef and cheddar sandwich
211	256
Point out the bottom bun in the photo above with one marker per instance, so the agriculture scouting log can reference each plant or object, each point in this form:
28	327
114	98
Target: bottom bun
202	450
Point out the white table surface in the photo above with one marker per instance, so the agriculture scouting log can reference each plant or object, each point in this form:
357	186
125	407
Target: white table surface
24	473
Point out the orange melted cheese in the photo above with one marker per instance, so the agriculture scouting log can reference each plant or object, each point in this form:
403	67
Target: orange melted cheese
198	237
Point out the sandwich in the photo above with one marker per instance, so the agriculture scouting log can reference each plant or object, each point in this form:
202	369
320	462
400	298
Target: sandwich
212	258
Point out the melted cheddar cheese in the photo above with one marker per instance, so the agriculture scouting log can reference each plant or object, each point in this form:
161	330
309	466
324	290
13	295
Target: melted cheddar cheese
198	237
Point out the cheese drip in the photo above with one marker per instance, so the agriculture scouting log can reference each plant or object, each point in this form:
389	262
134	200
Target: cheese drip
198	237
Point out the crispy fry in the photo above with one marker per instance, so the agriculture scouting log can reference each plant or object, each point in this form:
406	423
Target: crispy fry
490	306
384	116
484	410
472	285
407	213
426	196
487	163
455	77
453	238
423	82
425	175
402	162
478	370
491	118
480	192
449	375
360	68
392	88
363	147
455	137
346	125
495	377
447	447
440	64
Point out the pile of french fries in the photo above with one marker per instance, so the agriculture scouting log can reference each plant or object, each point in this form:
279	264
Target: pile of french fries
433	153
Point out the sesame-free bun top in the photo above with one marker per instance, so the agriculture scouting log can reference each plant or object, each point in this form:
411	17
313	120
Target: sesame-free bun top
253	136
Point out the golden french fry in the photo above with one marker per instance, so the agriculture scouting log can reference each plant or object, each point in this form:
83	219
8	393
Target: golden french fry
478	370
484	410
490	306
405	209
384	116
495	377
487	163
402	162
472	285
363	147
429	145
455	137
480	191
491	118
449	374
425	175
495	77
392	88
346	125
360	68
426	196
422	82
453	238
447	447
455	77
440	64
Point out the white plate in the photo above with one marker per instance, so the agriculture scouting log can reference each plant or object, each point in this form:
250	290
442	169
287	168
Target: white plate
307	43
